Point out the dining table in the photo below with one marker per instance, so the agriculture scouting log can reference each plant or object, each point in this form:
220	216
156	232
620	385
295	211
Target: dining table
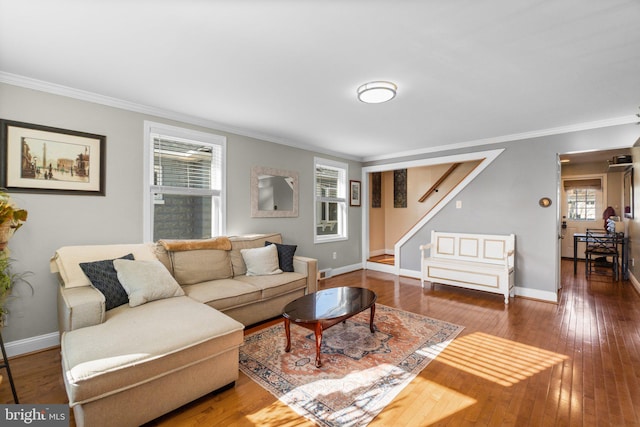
623	243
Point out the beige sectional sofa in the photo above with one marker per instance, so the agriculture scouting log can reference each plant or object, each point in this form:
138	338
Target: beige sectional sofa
126	365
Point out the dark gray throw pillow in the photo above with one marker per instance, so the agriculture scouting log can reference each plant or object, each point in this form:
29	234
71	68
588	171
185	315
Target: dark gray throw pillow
104	277
285	255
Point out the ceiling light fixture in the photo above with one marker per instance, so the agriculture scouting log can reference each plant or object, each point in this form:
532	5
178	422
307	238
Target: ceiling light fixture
377	92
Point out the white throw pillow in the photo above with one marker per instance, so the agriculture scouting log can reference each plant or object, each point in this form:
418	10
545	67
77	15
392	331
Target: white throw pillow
146	281
261	261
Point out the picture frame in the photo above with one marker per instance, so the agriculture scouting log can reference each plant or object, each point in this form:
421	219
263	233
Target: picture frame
43	159
376	189
355	196
628	198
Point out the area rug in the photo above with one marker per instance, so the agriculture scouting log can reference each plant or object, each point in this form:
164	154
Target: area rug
361	371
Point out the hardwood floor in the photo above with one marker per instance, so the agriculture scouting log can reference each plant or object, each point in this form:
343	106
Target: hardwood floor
383	259
530	363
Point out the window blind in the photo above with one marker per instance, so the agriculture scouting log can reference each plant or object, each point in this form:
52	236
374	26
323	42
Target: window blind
327	180
184	164
591	183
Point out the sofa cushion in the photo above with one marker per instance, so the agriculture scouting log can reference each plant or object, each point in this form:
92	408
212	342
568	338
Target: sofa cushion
245	242
285	255
261	261
197	266
66	261
104	277
146	281
175	333
272	286
224	294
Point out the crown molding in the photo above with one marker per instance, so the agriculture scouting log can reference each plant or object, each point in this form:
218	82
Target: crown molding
56	89
509	138
83	95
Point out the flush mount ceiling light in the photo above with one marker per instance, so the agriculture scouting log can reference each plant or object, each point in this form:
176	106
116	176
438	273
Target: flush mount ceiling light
377	92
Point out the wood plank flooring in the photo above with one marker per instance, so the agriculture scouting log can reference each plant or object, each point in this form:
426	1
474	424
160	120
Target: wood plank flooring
531	363
383	259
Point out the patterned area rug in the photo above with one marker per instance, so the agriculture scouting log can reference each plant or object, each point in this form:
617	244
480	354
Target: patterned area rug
361	372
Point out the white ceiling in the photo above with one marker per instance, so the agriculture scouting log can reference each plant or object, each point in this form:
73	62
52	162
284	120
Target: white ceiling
287	71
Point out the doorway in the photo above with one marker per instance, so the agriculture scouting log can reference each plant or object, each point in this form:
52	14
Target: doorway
479	161
590	183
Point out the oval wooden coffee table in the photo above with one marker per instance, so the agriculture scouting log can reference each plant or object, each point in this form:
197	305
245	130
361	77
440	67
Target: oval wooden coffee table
321	310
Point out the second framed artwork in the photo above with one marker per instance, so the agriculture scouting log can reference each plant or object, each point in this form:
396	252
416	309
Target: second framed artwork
42	159
354	193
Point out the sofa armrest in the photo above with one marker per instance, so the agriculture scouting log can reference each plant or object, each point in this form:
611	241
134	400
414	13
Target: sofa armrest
79	307
308	267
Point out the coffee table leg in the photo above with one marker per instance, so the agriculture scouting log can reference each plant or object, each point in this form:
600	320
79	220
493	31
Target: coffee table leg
287	329
318	332
373	312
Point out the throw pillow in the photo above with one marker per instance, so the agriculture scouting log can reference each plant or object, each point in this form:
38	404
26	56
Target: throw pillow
103	277
285	255
261	261
146	281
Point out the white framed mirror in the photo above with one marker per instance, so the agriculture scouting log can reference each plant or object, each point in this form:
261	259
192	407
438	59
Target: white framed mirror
274	193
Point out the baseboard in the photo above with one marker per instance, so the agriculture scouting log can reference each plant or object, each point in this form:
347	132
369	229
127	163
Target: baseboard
346	269
29	345
536	294
380	252
384	268
377	252
634	281
410	273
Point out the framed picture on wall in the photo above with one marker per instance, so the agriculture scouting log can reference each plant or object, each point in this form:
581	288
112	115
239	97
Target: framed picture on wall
628	194
42	159
376	189
354	192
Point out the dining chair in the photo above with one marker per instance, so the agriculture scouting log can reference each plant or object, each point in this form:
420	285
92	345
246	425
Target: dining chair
601	254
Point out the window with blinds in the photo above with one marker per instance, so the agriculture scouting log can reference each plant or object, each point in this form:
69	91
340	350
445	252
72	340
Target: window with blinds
181	164
330	200
186	185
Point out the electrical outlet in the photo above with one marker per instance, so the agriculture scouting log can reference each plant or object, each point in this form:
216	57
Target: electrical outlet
335	255
458	204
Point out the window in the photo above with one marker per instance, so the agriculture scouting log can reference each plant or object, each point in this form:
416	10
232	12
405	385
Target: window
330	200
185	197
581	203
583	198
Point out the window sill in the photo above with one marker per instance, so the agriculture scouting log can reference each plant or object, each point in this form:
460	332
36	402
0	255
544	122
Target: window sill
325	239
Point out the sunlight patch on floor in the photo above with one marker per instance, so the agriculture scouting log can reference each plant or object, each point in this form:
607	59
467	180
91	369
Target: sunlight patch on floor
497	359
437	402
277	414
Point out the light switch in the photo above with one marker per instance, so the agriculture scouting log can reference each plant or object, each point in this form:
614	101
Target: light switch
458	204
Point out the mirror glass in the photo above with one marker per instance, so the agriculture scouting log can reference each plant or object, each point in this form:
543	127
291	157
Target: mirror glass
274	192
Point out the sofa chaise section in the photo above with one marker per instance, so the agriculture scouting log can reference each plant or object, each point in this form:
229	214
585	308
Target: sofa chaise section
123	372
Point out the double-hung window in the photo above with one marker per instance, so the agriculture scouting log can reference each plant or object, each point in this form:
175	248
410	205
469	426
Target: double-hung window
330	212
185	170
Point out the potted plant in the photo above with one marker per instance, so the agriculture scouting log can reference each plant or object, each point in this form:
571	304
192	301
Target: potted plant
11	218
8	280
